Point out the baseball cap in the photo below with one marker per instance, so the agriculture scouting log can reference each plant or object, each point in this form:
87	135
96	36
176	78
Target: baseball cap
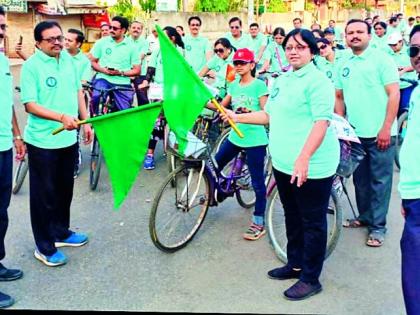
394	38
244	54
329	30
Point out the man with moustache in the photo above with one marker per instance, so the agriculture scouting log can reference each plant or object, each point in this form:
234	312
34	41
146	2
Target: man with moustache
142	46
9	136
409	188
52	95
367	83
115	59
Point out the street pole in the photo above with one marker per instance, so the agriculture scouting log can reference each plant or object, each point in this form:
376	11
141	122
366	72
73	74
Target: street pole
250	11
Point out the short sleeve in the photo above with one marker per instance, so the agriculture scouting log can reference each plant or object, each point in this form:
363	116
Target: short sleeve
261	88
267	53
388	70
86	74
153	58
97	49
211	64
321	97
28	84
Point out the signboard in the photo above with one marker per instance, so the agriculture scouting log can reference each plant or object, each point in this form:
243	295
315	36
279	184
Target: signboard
15	5
166	5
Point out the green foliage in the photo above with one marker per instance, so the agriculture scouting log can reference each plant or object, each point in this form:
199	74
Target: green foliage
147	5
219	5
277	6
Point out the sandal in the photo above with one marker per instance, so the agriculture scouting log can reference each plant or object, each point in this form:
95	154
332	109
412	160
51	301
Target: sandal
375	239
353	223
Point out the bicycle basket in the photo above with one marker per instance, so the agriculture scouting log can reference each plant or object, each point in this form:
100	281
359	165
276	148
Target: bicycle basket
351	154
196	149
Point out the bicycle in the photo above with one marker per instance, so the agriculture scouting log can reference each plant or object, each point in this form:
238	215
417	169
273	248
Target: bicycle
188	192
106	106
402	127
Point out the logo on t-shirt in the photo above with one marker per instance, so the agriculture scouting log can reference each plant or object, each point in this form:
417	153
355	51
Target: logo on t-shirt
108	51
274	93
329	74
217	69
51	82
188	47
346	72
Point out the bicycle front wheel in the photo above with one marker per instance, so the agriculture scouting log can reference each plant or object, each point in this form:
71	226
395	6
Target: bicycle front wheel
19	177
277	228
180	207
95	164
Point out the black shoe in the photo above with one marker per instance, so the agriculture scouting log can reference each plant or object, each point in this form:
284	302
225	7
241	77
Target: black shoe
6	300
302	290
9	274
284	273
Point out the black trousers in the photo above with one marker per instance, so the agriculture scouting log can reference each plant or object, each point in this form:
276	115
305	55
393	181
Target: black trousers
140	93
51	192
6	165
305	211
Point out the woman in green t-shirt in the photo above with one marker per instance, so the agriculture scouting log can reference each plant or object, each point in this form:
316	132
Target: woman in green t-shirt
247	95
305	156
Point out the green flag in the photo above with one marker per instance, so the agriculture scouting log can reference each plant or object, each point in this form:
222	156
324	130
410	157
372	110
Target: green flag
184	94
124	137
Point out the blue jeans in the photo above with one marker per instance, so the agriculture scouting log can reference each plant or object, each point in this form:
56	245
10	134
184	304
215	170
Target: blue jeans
373	183
123	99
6	165
255	157
410	256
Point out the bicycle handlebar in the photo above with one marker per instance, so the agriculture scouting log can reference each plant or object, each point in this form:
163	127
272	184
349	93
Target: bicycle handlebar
89	85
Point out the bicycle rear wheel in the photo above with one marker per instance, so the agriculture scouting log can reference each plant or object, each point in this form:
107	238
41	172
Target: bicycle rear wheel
402	127
179	211
277	229
20	174
95	164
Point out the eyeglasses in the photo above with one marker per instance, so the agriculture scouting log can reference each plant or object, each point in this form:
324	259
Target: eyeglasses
413	51
323	46
195	25
240	62
3	27
219	51
114	28
235	27
52	40
299	48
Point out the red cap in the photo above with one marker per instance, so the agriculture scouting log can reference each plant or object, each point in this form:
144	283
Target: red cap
244	54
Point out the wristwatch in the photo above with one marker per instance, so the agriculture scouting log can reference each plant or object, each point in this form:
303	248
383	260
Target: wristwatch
17	138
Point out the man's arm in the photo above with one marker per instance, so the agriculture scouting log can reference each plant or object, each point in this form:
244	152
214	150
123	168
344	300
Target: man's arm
87	130
339	107
68	122
384	135
17	138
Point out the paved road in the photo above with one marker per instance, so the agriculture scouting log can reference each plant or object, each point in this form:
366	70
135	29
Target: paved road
120	269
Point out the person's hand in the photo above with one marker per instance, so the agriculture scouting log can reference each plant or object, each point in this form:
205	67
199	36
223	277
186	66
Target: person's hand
143	85
87	134
383	140
403	211
211	74
112	72
20	149
300	170
228	114
69	123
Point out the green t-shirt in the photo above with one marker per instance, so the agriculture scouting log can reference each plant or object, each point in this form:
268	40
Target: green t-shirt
248	96
299	99
363	79
219	65
196	49
53	85
275	54
142	46
409	185
120	56
244	41
330	68
156	62
83	66
403	60
339	36
257	42
6	104
380	42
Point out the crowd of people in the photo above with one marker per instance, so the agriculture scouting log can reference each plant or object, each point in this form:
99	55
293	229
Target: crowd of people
366	72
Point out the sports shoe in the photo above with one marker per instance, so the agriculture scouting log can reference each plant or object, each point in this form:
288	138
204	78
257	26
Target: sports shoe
302	290
284	273
9	274
149	162
56	259
76	171
74	240
6	300
254	232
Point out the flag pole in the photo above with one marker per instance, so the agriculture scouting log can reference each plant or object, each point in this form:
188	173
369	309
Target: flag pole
230	121
58	130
